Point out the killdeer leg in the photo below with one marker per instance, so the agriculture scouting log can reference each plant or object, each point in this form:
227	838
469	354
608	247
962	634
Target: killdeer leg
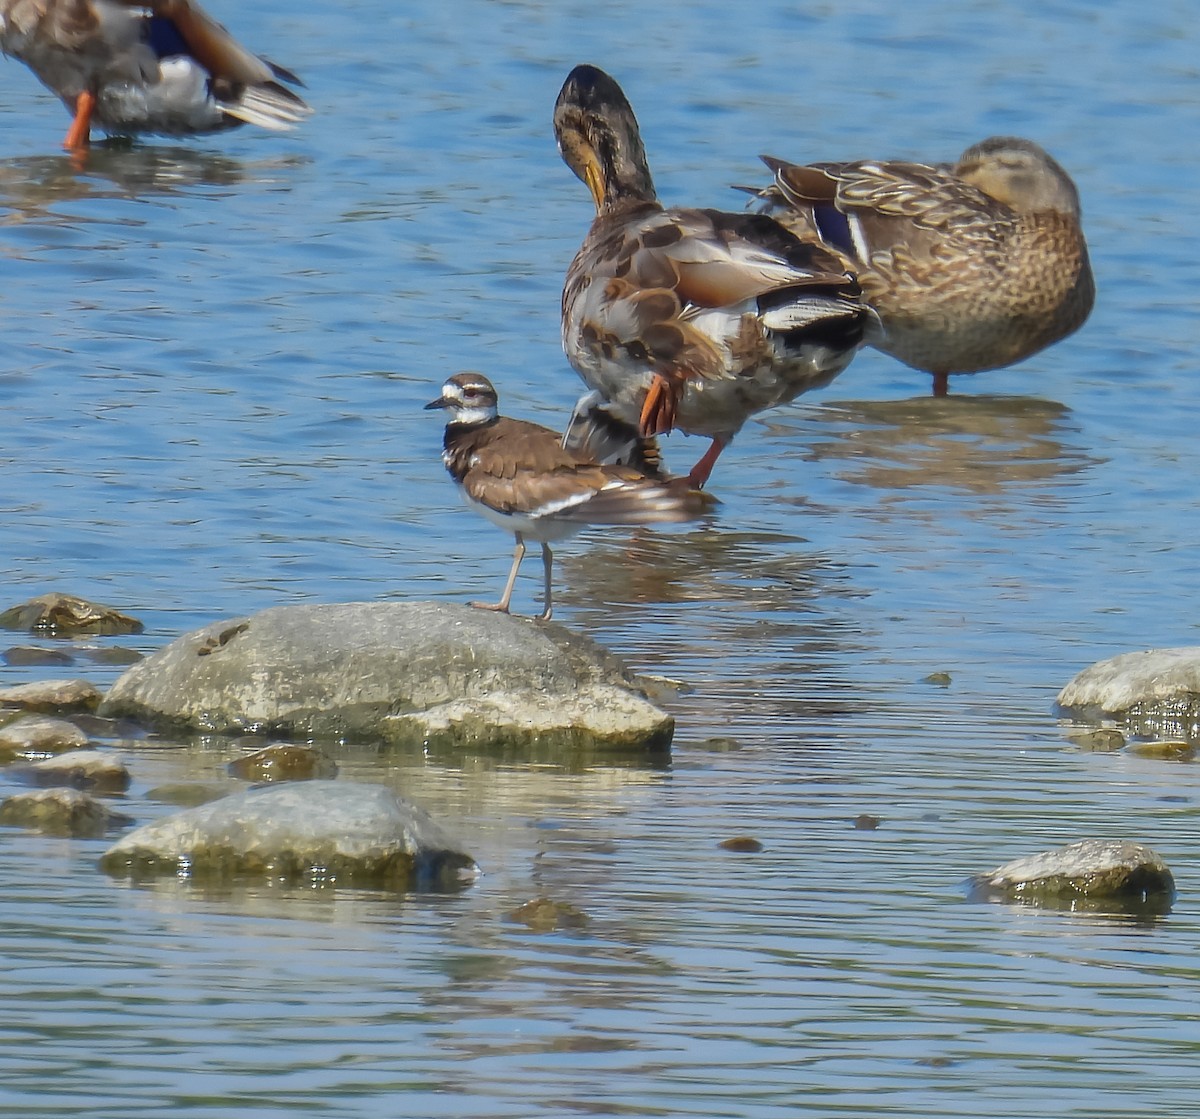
502	605
699	473
941	384
547	564
79	134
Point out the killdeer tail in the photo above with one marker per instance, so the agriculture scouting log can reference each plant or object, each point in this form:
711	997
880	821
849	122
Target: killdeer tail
595	434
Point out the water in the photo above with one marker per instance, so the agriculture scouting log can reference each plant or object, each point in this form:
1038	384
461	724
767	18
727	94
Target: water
214	361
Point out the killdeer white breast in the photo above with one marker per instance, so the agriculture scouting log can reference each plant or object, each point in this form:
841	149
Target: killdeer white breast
520	477
690	318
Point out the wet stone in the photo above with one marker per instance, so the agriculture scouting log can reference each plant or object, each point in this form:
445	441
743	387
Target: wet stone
435	676
1094	870
320	833
66	812
284	761
37	735
22	656
866	822
67	614
1154	693
546	915
741	844
52	696
95	770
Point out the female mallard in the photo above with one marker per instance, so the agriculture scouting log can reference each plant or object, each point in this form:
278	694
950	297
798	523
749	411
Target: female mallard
131	66
685	318
969	267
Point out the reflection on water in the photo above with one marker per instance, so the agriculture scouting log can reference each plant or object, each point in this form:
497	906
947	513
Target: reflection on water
973	444
37	188
215	355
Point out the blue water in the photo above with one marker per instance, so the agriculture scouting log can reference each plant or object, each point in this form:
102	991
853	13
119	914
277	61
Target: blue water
214	361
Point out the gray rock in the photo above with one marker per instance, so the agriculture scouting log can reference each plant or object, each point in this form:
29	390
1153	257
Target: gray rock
81	769
319	832
52	696
61	812
39	734
1154	693
428	675
1094	871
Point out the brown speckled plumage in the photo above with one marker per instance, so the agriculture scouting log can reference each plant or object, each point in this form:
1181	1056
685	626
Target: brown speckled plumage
689	318
969	267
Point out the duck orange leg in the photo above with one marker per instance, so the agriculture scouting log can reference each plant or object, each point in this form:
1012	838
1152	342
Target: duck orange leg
699	473
660	405
79	134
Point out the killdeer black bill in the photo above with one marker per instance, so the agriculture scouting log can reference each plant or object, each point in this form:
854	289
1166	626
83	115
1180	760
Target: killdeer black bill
520	477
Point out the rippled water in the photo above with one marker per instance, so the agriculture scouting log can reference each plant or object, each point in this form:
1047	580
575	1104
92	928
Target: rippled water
214	361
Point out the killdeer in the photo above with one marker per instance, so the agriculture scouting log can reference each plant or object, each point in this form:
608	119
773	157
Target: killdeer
689	318
970	267
132	66
520	477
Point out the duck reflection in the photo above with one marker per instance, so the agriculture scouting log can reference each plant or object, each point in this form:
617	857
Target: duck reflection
754	621
977	445
33	188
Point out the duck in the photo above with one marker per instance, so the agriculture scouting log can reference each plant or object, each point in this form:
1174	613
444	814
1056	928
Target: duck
683	318
521	477
146	66
970	266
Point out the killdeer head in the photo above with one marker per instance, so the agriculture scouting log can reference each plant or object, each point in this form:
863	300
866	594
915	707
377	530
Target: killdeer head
470	398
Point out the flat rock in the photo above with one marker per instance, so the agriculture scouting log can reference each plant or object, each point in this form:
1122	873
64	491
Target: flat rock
52	696
1155	692
421	674
68	812
318	832
98	770
31	735
67	614
1093	870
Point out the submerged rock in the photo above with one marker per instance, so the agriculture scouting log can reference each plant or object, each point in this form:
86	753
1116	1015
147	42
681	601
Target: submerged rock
436	675
32	735
52	696
80	769
67	614
66	812
1095	871
320	832
284	761
1155	693
547	915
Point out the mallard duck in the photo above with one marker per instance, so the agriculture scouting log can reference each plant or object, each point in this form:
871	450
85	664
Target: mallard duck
970	267
689	318
519	476
133	66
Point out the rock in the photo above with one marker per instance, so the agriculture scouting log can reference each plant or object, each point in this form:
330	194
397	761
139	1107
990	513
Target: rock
38	734
547	915
61	812
318	832
742	844
1099	872
424	675
67	614
25	656
284	761
1155	693
80	769
52	696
